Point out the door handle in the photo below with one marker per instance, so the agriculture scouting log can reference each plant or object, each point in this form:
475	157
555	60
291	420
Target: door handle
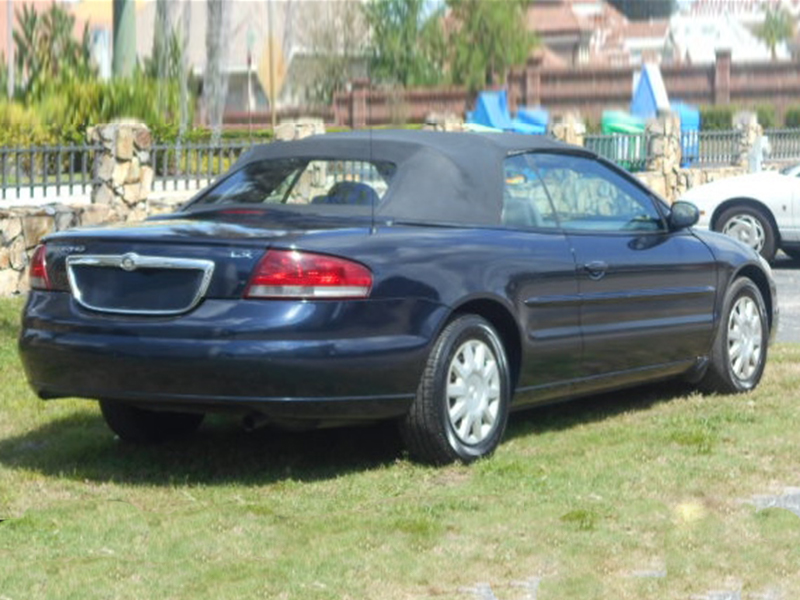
596	269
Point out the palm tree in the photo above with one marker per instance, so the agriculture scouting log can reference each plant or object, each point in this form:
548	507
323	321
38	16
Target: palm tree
215	80
45	48
776	29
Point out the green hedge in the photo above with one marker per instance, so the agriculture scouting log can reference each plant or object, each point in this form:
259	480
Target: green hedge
716	118
767	116
69	106
792	117
21	126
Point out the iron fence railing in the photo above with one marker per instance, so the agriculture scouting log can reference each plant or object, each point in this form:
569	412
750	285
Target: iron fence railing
784	144
629	151
690	147
718	148
181	166
46	173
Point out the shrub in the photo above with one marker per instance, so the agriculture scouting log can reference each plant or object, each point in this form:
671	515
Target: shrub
71	105
792	117
767	116
716	118
21	126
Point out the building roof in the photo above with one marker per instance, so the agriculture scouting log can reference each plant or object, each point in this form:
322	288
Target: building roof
603	33
545	19
657	28
548	58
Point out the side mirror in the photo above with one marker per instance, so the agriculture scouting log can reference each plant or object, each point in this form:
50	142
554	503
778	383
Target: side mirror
682	215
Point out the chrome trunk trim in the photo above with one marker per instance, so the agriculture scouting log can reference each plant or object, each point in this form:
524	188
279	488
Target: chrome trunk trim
132	261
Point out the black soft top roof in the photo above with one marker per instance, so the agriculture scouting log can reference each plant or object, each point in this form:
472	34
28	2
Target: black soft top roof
450	177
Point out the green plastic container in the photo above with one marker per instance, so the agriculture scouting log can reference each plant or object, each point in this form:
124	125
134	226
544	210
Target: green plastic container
618	121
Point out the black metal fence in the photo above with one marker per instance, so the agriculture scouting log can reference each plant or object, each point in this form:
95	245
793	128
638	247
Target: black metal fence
46	173
717	148
784	144
181	166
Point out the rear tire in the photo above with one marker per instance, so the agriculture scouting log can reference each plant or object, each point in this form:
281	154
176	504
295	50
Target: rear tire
138	425
750	226
462	403
740	347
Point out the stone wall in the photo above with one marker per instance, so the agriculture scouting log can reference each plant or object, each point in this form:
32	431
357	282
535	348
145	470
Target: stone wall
298	129
122	171
21	230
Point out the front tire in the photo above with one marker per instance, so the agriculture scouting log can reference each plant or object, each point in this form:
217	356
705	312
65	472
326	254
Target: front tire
139	426
739	353
462	403
750	226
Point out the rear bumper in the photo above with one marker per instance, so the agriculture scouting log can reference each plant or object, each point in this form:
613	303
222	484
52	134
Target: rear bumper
299	360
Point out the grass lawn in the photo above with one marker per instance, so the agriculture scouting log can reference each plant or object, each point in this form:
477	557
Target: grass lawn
640	494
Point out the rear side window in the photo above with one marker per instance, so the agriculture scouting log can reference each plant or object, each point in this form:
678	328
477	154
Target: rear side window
303	182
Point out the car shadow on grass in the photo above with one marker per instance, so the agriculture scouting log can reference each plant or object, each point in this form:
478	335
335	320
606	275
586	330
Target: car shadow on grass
80	446
599	407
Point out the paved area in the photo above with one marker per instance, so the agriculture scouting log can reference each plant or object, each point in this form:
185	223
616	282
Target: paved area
787	276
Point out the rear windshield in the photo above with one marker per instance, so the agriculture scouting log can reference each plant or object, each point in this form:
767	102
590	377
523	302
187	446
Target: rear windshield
303	182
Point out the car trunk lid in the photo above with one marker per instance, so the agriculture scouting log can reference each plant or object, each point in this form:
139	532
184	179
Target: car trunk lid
162	267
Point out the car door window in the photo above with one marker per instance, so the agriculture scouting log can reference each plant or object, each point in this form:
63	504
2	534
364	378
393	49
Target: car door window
525	201
588	195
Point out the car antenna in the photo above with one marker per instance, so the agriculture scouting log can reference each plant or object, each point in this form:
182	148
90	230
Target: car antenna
369	128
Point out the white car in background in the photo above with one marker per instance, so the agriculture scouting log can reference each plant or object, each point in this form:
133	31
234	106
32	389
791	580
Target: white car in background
760	209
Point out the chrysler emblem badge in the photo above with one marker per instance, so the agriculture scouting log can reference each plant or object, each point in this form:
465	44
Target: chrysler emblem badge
128	262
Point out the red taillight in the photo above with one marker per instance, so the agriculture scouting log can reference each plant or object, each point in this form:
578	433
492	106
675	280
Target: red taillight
38	272
293	274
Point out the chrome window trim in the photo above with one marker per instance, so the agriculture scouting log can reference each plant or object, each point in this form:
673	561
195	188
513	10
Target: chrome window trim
140	262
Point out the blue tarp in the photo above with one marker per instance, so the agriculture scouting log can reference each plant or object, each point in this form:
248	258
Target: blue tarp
650	95
537	118
491	110
690	131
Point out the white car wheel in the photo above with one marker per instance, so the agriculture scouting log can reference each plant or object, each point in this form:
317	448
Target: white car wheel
751	227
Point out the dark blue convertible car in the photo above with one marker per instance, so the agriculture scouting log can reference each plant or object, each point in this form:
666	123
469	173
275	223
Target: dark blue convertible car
437	279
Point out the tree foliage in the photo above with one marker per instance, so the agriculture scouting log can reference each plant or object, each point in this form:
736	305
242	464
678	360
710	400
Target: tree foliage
488	38
46	51
642	10
166	65
777	28
472	42
405	42
339	42
215	81
3	74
